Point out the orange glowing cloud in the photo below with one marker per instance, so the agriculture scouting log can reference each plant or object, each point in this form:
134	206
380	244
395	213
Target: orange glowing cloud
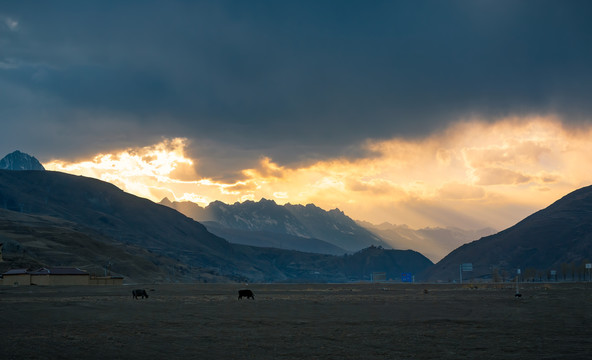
475	173
152	172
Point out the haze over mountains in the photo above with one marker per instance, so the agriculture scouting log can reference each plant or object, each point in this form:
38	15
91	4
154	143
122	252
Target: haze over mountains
433	242
558	238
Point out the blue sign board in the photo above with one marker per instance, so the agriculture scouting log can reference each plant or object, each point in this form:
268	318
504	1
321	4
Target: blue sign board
469	267
406	277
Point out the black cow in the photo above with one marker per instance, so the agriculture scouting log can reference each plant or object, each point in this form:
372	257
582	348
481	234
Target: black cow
246	293
139	292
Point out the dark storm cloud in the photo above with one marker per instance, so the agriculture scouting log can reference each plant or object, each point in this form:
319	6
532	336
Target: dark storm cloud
285	79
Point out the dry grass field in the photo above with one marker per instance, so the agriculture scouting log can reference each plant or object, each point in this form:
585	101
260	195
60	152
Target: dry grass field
321	321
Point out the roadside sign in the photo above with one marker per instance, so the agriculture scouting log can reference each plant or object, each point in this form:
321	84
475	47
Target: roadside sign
406	277
467	267
464	267
588	266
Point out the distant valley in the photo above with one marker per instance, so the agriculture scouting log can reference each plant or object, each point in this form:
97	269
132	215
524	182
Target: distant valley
55	219
434	243
310	228
554	239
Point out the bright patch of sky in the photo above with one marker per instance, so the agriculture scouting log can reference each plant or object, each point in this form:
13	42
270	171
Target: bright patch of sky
473	174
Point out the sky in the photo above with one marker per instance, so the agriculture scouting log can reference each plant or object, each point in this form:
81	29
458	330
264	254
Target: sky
425	113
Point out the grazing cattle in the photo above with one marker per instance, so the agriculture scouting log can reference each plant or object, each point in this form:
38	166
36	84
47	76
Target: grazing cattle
246	293
518	295
139	292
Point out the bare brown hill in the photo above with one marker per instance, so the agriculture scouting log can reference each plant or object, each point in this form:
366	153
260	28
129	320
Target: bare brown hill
113	213
35	241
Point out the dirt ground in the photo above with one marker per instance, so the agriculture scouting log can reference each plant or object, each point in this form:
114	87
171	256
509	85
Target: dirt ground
327	321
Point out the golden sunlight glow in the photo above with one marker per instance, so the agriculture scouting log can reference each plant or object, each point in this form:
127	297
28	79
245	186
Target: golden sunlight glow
474	174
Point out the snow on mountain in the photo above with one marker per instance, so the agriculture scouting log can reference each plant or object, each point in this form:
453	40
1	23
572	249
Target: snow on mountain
20	161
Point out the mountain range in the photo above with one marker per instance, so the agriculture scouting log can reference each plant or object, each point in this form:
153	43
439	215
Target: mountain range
65	212
310	226
55	219
556	238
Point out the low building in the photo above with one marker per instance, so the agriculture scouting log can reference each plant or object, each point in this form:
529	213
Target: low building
56	276
59	276
16	277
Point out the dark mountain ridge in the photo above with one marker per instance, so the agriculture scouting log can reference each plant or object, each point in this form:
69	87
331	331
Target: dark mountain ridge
34	241
547	240
111	212
186	247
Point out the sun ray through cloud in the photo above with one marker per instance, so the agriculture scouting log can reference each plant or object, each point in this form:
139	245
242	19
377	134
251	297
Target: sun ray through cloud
474	168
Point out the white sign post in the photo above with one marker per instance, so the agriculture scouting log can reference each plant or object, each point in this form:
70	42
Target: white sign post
465	267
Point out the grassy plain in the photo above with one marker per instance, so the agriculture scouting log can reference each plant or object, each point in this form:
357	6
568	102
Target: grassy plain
302	321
